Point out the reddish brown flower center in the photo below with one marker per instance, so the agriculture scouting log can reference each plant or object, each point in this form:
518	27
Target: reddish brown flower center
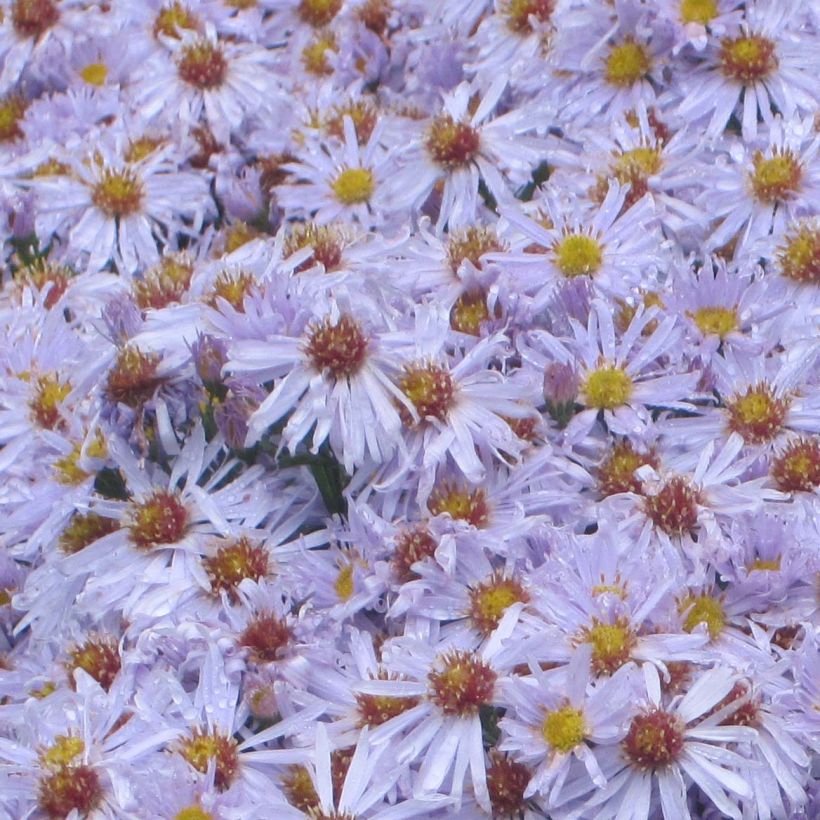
233	287
69	789
318	13
519	12
118	193
326	241
159	519
746	712
654	740
800	255
460	503
165	284
776	178
374	15
461	683
412	545
133	378
430	388
797	468
233	563
616	473
470	245
267	637
202	65
338	347
506	782
99	657
757	414
747	59
85	529
49	394
674	508
201	748
361	112
451	144
32	18
377	709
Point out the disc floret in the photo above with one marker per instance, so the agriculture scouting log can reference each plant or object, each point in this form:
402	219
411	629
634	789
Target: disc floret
159	519
654	740
462	683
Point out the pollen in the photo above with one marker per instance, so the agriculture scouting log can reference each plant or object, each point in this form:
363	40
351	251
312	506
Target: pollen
12	109
173	19
564	728
361	112
412	545
607	387
49	394
616	473
451	144
95	74
746	713
507	781
63	752
715	321
33	18
99	657
118	193
611	644
69	789
315	54
747	59
698	11
703	609
318	13
800	255
233	563
430	388
519	12
354	186
460	503
338	348
489	601
345	585
374	710
164	284
238	234
797	467
634	168
654	740
298	788
578	255
193	813
627	63
461	684
469	313
374	15
160	519
133	378
674	508
203	747
470	245
84	529
764	565
266	637
775	178
757	414
326	241
141	148
202	65
233	287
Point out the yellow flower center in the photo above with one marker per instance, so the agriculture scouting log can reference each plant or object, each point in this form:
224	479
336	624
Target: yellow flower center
354	186
430	388
315	54
49	394
626	64
698	11
460	503
469	312
12	109
764	565
85	529
747	59
564	728
174	18
715	321
577	255
344	582
201	748
193	813
118	193
63	751
703	609
757	414
518	13
202	65
452	144
318	13
797	468
607	387
800	256
490	600
776	178
611	645
95	74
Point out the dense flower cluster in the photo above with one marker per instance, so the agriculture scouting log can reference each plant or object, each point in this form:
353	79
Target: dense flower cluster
409	409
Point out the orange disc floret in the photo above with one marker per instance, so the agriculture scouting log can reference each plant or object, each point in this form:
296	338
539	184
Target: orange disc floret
99	657
797	467
201	748
233	287
451	144
430	388
339	347
460	503
202	65
41	274
159	519
674	508
233	563
266	637
747	59
462	683
776	178
654	740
